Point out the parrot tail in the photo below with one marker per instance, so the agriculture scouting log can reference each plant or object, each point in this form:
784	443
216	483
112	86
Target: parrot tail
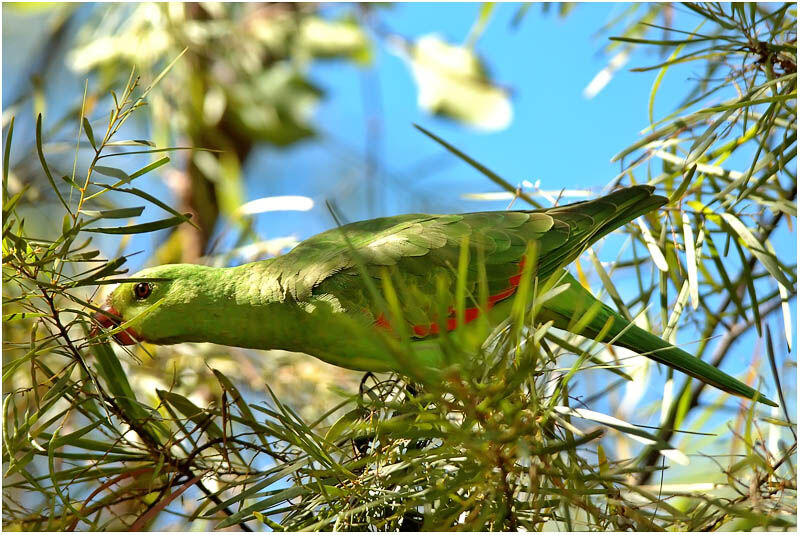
591	220
576	307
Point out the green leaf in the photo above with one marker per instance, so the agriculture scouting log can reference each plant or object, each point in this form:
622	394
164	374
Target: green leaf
753	102
112	172
751	289
71	438
143	227
608	284
343	424
161	75
692	249
42	160
557	446
147	168
87	127
110	369
6	159
683	186
238	399
9	204
726	281
759	250
776	377
194	413
152	151
660	76
161	204
117	213
131	142
277	497
83	257
662	42
71	182
109	268
277	474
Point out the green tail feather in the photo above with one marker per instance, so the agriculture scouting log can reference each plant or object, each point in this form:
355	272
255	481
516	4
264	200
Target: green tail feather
630	208
567	308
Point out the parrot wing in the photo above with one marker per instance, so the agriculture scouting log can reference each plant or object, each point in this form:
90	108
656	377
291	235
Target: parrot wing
423	247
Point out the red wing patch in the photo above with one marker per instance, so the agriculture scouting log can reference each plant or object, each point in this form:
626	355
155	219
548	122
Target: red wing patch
470	314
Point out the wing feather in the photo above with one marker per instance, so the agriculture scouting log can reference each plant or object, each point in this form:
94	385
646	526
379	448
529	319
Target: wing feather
423	246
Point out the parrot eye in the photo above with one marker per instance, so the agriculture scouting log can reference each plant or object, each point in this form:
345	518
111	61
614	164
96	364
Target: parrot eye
142	290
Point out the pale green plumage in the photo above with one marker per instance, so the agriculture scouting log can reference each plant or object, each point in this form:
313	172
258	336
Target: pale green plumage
315	300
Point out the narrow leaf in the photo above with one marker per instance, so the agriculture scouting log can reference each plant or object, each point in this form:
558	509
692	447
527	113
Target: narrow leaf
683	186
634	432
131	142
161	204
6	158
112	172
652	247
691	259
194	413
45	168
147	168
87	127
677	309
767	259
608	284
117	213
773	365
491	175
143	227
751	289
71	182
787	313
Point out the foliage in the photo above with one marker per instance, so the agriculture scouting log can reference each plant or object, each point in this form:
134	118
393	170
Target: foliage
503	438
741	111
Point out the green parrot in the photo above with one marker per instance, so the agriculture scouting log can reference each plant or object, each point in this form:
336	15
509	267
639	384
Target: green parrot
316	300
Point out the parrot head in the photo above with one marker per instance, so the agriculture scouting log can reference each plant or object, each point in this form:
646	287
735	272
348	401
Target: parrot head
163	299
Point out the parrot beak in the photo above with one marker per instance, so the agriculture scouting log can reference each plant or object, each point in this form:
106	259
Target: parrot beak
109	318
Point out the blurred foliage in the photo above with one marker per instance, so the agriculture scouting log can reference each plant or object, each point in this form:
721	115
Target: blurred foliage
453	82
244	81
101	437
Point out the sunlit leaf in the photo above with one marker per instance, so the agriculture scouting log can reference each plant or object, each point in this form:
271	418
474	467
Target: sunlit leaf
633	432
652	247
691	259
759	250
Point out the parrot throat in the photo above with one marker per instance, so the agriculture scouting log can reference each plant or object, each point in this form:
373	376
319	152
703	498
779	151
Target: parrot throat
470	314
